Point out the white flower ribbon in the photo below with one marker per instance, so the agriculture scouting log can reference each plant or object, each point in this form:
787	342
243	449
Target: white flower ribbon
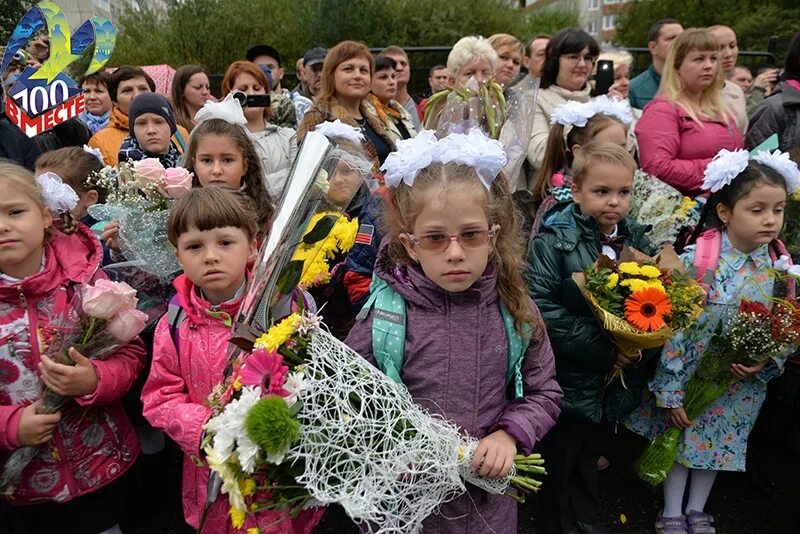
725	166
783	165
95	152
574	113
784	264
58	197
474	148
341	130
229	110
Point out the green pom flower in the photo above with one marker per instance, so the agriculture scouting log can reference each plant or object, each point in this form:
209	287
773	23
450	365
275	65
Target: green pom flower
270	425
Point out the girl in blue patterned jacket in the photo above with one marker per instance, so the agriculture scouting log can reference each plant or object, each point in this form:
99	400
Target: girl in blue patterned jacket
741	221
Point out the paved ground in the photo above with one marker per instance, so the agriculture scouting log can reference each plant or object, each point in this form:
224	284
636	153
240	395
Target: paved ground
738	506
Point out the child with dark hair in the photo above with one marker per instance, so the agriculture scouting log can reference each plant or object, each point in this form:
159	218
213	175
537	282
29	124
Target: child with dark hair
734	250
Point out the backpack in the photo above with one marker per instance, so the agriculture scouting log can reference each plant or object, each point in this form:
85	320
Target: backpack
389	334
175	318
707	252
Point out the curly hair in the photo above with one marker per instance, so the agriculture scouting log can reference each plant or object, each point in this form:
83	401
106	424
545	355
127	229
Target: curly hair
407	202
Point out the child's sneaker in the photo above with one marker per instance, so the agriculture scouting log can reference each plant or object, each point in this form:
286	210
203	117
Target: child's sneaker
700	523
671	525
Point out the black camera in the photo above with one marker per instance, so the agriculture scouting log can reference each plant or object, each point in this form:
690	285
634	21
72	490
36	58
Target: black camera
251	101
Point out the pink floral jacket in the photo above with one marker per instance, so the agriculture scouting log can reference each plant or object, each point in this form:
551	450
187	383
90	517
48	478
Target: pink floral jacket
94	443
174	396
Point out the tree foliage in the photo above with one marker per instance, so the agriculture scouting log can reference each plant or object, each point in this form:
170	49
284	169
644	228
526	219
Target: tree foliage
754	21
217	32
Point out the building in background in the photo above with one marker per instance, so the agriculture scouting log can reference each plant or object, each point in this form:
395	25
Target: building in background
597	17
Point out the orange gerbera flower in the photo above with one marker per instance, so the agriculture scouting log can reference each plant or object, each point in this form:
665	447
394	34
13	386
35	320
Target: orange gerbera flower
646	309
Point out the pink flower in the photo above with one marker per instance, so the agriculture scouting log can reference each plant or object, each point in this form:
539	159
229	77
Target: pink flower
127	324
265	369
106	298
148	171
557	180
176	182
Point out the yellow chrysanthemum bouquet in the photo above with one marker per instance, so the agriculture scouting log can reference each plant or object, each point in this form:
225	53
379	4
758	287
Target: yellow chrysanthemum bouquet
640	301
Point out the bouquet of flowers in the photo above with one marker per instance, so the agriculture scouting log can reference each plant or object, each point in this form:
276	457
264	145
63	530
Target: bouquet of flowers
139	196
303	420
663	207
459	109
749	335
99	319
328	234
640	301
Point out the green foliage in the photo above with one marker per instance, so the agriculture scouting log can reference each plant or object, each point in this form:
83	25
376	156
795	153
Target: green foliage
217	32
753	21
10	13
270	425
610	296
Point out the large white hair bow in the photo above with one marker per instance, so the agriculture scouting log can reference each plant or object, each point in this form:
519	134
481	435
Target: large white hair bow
786	167
574	113
229	110
338	129
58	197
725	166
474	148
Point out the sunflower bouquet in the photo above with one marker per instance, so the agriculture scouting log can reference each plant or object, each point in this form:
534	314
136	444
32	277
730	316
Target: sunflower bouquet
640	301
304	421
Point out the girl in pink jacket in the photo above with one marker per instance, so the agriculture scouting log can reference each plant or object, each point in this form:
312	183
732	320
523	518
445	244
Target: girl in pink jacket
214	232
75	484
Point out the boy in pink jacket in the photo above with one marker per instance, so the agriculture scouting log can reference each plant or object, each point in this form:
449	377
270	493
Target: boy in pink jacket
214	232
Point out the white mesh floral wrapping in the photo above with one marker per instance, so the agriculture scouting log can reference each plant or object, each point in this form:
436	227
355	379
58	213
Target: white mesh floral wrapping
368	447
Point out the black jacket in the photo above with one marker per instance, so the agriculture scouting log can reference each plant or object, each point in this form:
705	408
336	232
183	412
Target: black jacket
779	113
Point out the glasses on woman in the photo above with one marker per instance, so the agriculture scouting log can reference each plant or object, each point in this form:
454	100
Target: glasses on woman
575	58
439	241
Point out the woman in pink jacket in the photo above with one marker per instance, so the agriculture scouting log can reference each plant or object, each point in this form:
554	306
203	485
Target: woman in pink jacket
689	121
191	344
75	484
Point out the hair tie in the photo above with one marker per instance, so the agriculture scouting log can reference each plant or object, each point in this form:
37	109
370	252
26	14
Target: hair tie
780	162
96	153
574	113
58	197
725	166
474	149
228	110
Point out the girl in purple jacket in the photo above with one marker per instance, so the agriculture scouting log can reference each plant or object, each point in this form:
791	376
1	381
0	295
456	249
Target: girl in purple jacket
453	254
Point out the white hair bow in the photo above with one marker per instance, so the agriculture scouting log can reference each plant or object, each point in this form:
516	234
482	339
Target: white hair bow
725	166
229	110
338	129
58	197
783	165
574	113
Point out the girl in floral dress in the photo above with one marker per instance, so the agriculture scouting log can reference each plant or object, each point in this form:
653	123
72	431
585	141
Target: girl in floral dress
744	215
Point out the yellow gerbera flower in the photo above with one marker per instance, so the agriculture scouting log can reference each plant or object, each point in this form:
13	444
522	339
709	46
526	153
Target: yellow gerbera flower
630	268
613	280
649	271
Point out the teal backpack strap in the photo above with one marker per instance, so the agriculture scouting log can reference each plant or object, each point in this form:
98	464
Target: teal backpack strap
388	327
181	141
517	347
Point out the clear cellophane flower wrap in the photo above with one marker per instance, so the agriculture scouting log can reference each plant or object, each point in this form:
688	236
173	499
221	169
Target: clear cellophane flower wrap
631	340
663	207
477	104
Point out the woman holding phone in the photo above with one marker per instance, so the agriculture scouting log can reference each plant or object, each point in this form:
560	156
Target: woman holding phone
276	145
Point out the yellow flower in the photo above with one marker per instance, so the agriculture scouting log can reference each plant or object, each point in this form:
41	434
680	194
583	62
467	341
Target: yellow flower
254	530
278	334
649	271
629	267
247	487
613	279
315	256
237	383
237	517
634	284
687	205
656	284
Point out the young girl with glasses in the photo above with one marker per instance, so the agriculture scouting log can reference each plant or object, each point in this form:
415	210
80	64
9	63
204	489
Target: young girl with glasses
452	253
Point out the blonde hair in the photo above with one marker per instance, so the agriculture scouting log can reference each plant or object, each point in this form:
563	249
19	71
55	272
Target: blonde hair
595	152
558	153
21	178
712	102
407	202
467	50
619	57
502	40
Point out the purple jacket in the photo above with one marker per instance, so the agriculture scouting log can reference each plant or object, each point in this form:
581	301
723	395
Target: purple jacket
455	364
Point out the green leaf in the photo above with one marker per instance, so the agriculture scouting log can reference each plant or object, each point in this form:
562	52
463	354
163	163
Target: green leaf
321	229
290	276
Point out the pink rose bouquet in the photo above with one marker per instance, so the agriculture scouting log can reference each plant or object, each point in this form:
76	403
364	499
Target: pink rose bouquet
176	182
100	319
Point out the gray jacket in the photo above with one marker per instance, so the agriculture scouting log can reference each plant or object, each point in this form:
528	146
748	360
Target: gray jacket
778	113
277	148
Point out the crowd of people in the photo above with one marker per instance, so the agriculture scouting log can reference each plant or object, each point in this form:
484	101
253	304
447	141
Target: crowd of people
470	255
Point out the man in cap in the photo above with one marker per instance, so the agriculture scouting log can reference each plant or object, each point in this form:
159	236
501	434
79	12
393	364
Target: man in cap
283	109
311	81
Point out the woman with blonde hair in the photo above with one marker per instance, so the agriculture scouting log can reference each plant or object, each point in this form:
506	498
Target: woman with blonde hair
689	121
509	57
346	81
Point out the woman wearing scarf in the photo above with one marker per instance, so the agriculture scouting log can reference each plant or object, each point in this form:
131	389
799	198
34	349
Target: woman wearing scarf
152	125
381	101
98	101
